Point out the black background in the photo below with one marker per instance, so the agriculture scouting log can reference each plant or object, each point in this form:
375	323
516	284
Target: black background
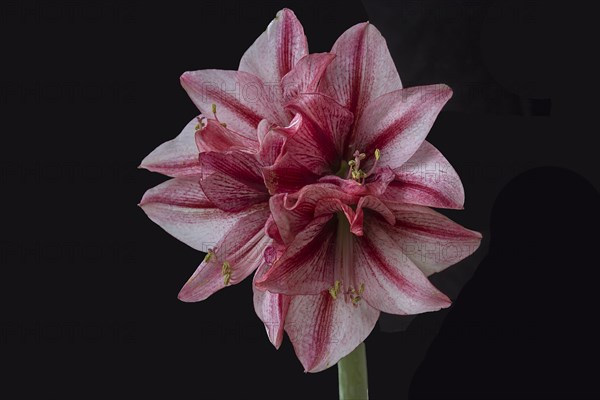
89	284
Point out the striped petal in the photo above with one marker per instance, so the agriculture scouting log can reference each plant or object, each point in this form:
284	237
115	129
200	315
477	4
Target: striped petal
216	137
232	180
362	70
287	175
177	157
181	208
271	308
323	329
398	122
277	49
392	282
231	259
318	143
293	212
271	142
306	75
432	241
308	262
427	179
374	204
242	100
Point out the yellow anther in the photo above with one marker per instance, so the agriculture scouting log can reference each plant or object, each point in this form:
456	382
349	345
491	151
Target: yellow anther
200	123
377	154
362	156
333	293
214	108
226	271
357	175
226	268
351	163
355	295
335	289
209	255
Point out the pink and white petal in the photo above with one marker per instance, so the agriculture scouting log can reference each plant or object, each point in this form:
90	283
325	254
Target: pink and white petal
320	141
242	100
379	181
304	77
374	204
332	206
392	282
307	264
398	122
323	329
272	231
242	248
277	49
431	240
427	179
362	70
181	208
348	186
293	211
271	142
216	137
271	308
177	157
287	175
232	180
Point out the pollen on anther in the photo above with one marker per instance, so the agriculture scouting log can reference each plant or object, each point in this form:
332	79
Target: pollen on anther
226	272
335	289
209	255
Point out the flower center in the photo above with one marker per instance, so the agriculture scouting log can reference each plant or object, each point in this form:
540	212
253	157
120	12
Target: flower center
354	172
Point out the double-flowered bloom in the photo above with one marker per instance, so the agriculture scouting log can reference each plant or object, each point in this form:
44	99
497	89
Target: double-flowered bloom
312	172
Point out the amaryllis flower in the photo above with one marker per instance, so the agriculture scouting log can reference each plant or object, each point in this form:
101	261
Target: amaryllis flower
217	201
312	169
351	189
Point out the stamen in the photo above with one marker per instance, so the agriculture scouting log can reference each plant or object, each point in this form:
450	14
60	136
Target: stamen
200	123
356	296
226	272
335	289
214	111
209	255
377	157
355	172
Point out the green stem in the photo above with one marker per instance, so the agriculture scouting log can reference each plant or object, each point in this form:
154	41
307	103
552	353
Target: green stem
352	375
